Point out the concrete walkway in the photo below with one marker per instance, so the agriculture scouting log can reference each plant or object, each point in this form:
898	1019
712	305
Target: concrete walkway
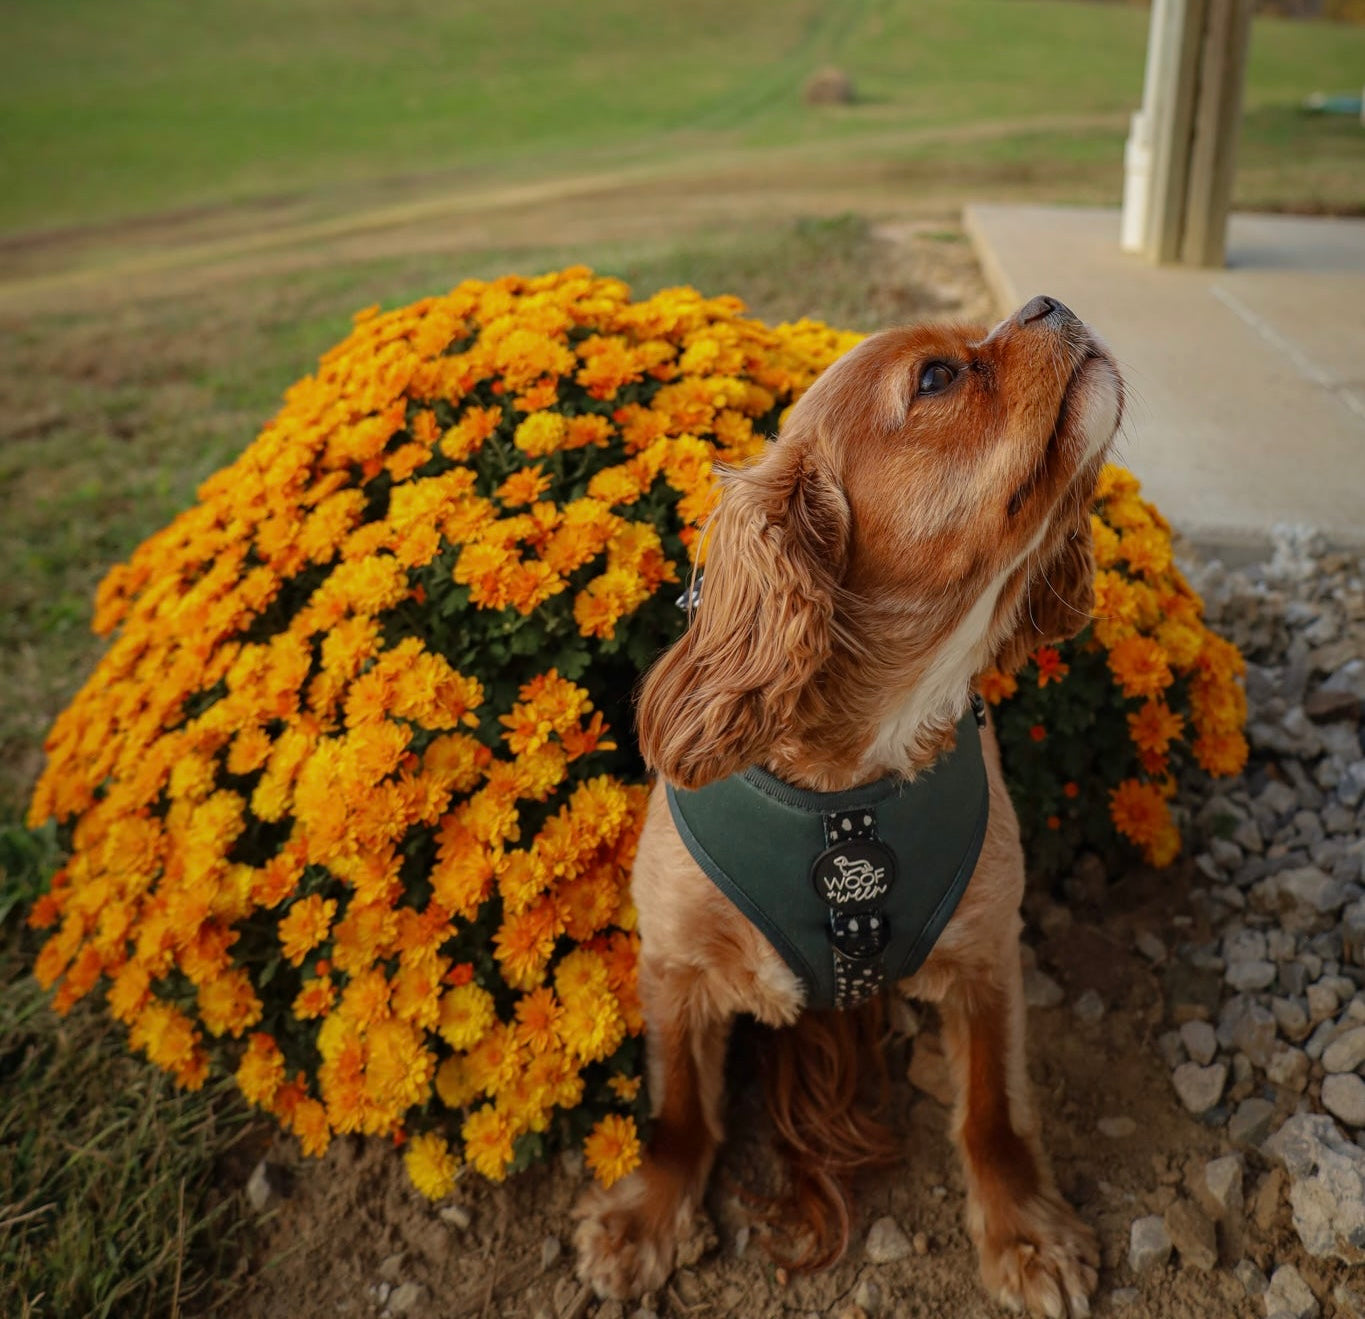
1247	401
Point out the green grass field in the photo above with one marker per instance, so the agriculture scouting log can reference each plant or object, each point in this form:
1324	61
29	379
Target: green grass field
120	110
111	1197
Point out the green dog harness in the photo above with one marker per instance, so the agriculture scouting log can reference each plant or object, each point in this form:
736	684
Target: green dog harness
851	888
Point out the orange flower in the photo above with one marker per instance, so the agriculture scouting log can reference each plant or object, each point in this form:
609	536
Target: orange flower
1050	666
1140	813
995	686
305	926
612	1150
1139	665
1154	727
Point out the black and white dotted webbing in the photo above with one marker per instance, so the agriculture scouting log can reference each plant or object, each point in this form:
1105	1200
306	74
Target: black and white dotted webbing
856	978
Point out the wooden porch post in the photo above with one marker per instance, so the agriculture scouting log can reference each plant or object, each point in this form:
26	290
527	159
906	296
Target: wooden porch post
1192	104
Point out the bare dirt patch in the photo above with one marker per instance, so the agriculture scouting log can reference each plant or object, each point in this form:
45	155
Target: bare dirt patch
353	1230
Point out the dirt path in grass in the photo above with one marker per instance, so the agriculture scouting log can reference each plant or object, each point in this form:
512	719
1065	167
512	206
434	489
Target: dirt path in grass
659	194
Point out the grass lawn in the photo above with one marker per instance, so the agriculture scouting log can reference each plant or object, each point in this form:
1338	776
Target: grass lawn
120	110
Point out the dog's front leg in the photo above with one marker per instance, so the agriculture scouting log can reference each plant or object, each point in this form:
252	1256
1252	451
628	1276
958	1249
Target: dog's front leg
628	1236
1033	1249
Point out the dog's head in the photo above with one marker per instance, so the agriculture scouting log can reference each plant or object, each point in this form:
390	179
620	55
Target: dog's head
924	513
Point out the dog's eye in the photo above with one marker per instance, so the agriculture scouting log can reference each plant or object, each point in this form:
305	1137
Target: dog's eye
936	377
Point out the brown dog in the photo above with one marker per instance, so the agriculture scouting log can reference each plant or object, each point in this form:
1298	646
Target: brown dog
923	515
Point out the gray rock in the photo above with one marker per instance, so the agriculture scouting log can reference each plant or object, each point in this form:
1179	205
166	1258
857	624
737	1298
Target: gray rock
1247	836
1244	1024
1344	1097
1150	946
1200	1041
1289	1068
1170	1048
1247	976
1308	888
267	1183
1293	978
1122	1297
1245	945
1291	1017
1116	1128
1225	853
1322	1036
1323	1002
1346	1052
1149	1244
1327	1187
1277	798
1200	1088
1250	1123
1253	1281
1089	1007
1351	786
868	1297
1350	677
406	1298
886	1243
1223	1181
1350	1303
456	1215
1280	945
549	1252
1040	989
1289	1294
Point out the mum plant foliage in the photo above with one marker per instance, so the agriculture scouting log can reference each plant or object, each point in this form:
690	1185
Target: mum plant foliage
351	801
1095	733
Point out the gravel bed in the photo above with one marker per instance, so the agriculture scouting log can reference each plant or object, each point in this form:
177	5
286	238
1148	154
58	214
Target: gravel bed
1267	1017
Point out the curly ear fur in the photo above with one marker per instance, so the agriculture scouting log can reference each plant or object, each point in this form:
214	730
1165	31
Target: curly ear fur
1059	598
729	688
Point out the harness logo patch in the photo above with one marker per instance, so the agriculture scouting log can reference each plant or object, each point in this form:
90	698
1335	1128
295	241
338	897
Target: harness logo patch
857	873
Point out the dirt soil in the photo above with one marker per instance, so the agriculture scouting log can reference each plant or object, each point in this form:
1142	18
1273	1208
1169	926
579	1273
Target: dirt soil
352	1227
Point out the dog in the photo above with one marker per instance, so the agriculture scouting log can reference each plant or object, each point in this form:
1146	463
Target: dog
923	514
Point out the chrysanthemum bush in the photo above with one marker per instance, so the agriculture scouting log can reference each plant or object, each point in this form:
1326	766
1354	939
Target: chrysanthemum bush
1095	734
351	801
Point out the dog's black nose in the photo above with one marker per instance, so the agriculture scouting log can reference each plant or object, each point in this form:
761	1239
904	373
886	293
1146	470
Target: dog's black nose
1044	309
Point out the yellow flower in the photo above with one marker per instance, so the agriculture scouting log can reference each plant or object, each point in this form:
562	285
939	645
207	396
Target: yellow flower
455	1083
466	1014
431	1166
612	1149
261	1070
488	1142
541	433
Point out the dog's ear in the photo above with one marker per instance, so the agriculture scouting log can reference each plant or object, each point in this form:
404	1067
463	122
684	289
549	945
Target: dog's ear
1059	597
728	689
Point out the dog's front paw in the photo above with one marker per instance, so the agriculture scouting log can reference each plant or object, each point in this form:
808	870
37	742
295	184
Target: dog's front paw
1041	1258
628	1235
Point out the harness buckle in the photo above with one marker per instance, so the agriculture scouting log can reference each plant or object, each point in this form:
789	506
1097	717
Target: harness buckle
859	935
